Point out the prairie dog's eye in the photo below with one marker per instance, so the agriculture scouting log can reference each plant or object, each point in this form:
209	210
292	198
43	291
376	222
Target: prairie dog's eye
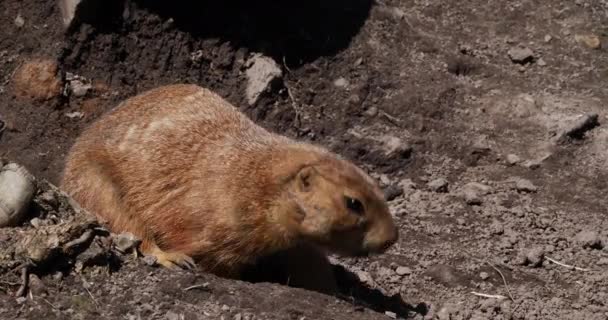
354	205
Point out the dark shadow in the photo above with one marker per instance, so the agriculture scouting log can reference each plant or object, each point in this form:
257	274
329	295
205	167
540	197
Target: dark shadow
297	31
352	290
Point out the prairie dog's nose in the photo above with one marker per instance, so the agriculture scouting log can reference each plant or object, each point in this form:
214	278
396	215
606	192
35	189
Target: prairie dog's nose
381	237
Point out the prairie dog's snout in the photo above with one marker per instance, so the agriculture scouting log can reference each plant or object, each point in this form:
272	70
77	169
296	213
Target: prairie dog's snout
381	236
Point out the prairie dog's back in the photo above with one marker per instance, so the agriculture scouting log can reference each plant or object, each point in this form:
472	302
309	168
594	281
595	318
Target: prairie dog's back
174	149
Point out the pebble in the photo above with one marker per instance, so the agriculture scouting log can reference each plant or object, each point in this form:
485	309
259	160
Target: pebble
525	185
394	146
484	275
541	62
577	128
125	242
438	185
371	112
548	38
403	271
341	82
16	192
521	55
19	21
74	115
513	159
473	192
603	262
535	257
590	40
589	239
390	314
79	88
261	74
392	192
36	286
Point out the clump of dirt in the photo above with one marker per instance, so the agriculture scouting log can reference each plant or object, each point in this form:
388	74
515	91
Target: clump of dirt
415	92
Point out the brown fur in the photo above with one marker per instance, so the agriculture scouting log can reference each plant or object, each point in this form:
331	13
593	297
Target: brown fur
193	177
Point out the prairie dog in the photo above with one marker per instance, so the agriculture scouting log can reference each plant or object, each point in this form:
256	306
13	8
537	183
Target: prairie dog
202	184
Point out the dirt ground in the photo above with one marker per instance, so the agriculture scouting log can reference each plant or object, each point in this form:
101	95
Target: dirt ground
498	186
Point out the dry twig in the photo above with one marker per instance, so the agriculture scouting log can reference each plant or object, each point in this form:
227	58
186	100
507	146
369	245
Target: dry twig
504	280
25	280
492	296
203	286
565	265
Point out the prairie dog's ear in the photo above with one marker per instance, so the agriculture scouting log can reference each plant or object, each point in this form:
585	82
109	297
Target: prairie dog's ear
305	178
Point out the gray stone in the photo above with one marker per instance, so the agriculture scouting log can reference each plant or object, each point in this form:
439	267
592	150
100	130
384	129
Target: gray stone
125	242
521	55
525	185
438	185
513	159
262	73
589	239
473	192
17	189
403	271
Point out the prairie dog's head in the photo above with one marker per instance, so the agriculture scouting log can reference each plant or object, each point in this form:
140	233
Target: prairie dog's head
343	210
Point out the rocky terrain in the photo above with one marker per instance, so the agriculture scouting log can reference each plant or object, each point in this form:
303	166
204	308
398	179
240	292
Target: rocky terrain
484	121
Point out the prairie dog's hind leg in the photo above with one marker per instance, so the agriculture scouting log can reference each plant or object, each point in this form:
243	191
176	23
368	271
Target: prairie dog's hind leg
94	190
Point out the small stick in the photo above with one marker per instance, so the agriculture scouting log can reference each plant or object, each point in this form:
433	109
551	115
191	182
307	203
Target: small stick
504	280
197	286
25	280
49	303
492	296
294	105
86	236
565	265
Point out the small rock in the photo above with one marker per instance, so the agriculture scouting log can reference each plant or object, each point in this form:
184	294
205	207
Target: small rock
407	185
474	191
371	112
21	300
394	146
446	312
403	271
541	62
170	315
225	308
79	88
602	262
16	192
590	40
262	74
19	21
365	277
589	239
513	159
438	185
392	192
484	275
446	275
341	82
535	257
238	316
548	38
125	242
36	223
525	185
36	285
74	115
577	128
390	314
521	55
